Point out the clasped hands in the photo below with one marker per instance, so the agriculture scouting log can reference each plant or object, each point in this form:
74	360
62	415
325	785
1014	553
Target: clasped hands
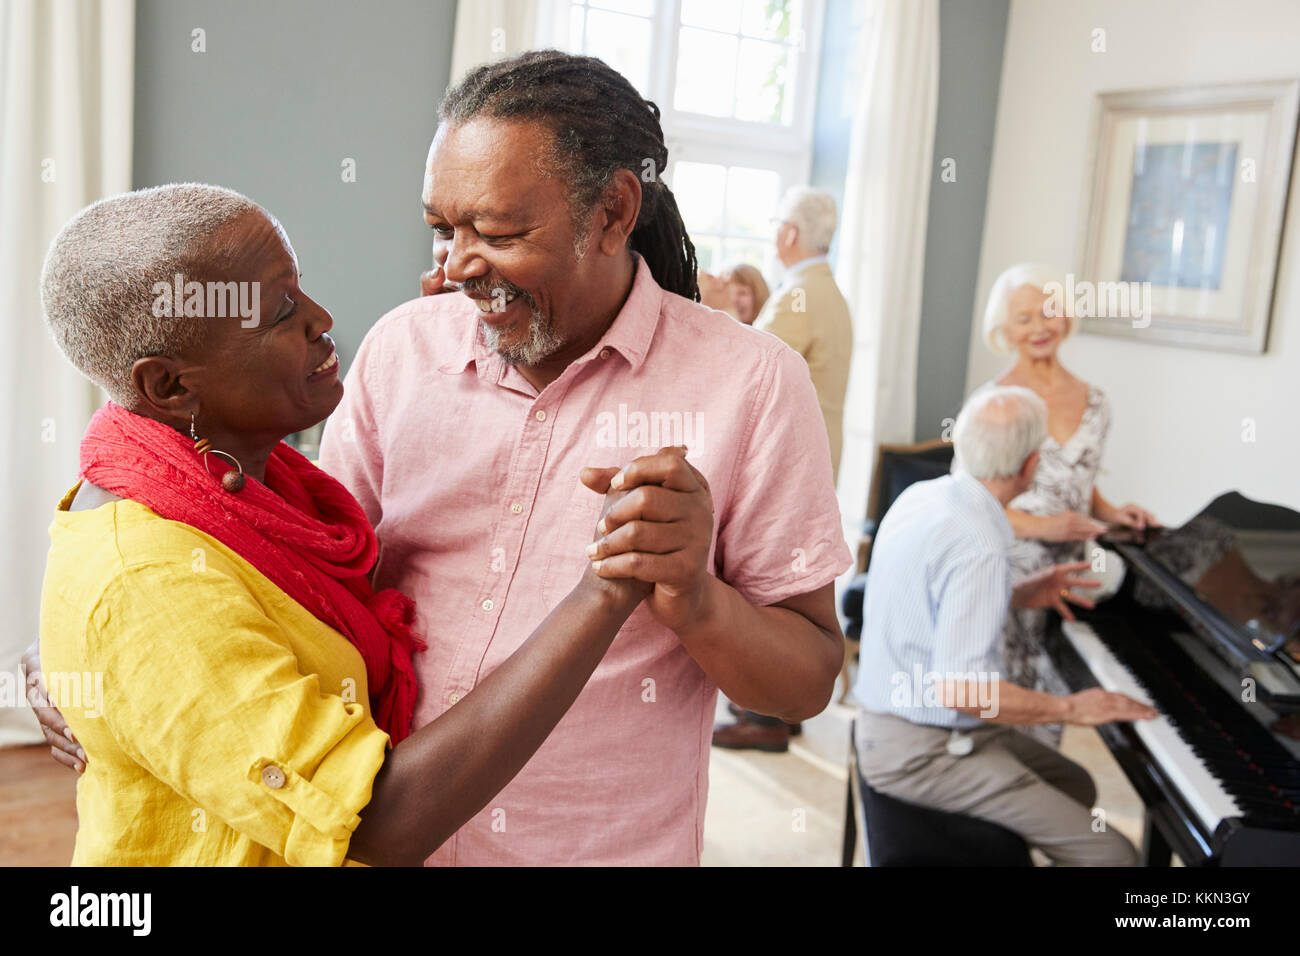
654	534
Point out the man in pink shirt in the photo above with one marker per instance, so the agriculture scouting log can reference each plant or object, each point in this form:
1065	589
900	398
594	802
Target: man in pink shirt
468	417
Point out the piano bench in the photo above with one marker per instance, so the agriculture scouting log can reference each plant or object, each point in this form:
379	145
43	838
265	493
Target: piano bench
907	834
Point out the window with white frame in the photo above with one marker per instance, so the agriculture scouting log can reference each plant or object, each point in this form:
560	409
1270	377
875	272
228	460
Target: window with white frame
734	81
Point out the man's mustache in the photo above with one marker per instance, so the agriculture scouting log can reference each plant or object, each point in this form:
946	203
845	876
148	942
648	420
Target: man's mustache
480	288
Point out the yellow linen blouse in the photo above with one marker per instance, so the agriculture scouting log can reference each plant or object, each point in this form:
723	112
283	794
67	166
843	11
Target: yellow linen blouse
223	723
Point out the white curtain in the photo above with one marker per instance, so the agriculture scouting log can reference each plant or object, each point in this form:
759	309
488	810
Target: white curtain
493	29
66	89
882	239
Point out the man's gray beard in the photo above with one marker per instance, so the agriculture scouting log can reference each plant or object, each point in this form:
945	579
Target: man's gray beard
542	342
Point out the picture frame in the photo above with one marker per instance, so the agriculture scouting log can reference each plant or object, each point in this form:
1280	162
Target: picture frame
1188	190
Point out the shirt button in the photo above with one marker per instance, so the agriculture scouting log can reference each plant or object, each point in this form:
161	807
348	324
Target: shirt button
273	776
515	507
454	698
604	353
541	415
486	605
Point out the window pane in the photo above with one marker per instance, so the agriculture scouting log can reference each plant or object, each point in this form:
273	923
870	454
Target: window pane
699	188
576	16
772	19
706	72
762	81
623	42
714	14
744	250
642	8
708	255
751	201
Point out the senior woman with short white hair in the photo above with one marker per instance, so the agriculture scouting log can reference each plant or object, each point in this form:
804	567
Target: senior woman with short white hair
1063	509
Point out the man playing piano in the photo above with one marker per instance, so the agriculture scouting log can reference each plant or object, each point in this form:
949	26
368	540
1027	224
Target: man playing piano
938	724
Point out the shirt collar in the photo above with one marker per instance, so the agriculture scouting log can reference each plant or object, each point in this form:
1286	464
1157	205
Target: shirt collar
630	334
803	265
633	329
978	494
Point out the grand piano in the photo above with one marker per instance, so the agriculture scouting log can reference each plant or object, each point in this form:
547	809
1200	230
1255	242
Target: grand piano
1206	629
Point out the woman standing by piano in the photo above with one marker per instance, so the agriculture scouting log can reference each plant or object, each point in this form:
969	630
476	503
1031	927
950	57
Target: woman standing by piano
1063	509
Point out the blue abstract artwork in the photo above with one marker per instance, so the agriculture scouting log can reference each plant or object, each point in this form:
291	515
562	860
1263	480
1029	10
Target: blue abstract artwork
1179	209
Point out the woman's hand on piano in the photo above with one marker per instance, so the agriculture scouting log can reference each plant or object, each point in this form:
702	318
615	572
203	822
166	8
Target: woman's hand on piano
1094	706
1134	516
1068	526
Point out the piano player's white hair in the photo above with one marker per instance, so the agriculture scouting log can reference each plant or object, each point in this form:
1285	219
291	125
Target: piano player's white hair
97	283
997	430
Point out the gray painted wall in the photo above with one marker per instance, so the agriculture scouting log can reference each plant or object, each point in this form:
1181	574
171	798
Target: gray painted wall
972	34
284	93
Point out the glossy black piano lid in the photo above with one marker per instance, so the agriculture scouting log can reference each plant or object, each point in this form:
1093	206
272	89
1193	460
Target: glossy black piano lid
1242	558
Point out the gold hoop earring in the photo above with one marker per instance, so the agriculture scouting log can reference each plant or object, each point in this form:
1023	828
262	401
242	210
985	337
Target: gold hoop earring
232	481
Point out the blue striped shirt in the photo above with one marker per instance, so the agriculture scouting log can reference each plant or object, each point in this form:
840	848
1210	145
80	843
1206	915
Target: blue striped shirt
938	592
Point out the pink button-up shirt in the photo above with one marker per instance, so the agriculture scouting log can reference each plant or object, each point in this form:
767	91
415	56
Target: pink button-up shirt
470	477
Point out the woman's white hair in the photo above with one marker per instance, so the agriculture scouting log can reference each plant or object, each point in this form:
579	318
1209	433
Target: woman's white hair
998	309
997	430
813	213
97	283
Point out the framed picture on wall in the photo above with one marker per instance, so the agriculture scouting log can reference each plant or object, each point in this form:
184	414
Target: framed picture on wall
1188	191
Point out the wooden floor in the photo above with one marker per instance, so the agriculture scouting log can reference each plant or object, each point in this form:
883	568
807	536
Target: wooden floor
38	811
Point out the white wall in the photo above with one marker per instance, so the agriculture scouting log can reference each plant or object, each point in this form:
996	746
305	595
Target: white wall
1176	436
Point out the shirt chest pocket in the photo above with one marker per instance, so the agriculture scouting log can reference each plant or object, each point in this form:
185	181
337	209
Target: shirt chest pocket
564	550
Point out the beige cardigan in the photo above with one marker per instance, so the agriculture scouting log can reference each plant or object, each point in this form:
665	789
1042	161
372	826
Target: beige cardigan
810	315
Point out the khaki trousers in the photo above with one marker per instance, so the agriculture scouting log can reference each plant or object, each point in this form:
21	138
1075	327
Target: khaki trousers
1007	778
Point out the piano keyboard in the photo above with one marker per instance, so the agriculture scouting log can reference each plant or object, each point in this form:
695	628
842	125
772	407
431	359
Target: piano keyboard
1220	758
1186	771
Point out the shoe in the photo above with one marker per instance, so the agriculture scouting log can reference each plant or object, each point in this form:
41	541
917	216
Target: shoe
734	711
747	735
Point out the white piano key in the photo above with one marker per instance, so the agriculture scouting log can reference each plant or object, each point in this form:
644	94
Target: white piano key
1185	770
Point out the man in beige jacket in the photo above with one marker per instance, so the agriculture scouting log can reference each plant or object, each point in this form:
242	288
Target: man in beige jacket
809	314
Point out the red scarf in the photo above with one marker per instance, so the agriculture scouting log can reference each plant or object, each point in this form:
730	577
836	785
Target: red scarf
302	529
